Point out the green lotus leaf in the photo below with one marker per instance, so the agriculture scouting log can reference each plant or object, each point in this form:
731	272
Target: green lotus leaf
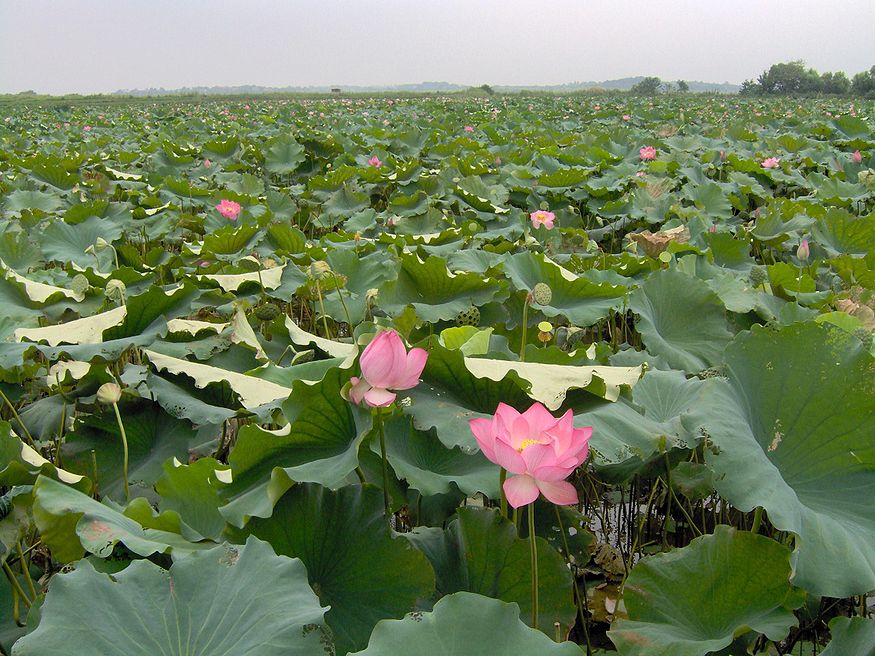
228	601
21	199
464	624
851	635
480	552
696	600
72	523
434	292
284	155
794	431
578	299
320	444
681	319
63	242
193	492
353	562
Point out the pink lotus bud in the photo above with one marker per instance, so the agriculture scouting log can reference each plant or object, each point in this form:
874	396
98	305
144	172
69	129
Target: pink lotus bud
539	450
857	157
803	251
375	162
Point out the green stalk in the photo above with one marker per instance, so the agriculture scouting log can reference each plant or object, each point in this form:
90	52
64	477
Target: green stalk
25	570
501	478
534	549
17	418
379	419
757	520
121	427
16	586
581	601
342	302
322	310
525	328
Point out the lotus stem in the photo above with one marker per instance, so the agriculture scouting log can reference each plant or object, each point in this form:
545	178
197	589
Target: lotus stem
379	419
121	427
501	478
342	302
525	328
16	586
580	599
25	570
322	310
757	520
17	418
534	550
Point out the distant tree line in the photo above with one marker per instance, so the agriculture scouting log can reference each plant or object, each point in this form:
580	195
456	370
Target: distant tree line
793	78
650	86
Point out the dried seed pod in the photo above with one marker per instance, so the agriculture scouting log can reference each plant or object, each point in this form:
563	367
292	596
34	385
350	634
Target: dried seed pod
542	294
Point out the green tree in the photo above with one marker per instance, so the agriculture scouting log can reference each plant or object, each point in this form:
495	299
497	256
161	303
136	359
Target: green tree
750	88
864	83
683	87
649	86
789	78
835	83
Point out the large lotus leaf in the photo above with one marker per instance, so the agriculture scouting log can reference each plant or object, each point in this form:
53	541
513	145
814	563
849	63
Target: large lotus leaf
284	155
696	600
22	199
193	492
851	635
359	275
228	601
67	243
550	383
72	523
153	437
253	392
653	420
434	292
449	395
319	445
464	624
147	310
581	301
480	552
353	562
795	431
840	232
19	252
22	464
428	466
710	198
681	319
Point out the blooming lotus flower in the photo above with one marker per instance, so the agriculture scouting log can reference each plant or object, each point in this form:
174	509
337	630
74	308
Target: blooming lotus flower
626	117
857	157
87	128
647	153
540	451
770	163
229	209
375	162
386	365
542	218
469	128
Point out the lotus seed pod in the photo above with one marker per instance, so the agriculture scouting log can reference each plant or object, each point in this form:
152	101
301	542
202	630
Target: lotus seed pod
865	336
470	317
101	244
109	393
542	293
758	275
319	269
115	289
267	312
79	285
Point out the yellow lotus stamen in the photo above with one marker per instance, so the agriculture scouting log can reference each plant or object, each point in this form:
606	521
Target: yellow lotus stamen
526	444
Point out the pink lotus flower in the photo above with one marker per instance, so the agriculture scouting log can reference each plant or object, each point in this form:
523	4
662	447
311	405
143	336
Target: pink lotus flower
857	157
542	218
647	154
540	451
640	174
386	365
375	162
87	128
770	163
626	117
469	128
229	209
207	163
803	251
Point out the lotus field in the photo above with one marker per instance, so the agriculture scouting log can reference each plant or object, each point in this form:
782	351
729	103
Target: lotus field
460	376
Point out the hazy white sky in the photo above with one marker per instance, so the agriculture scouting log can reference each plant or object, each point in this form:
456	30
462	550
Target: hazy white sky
59	46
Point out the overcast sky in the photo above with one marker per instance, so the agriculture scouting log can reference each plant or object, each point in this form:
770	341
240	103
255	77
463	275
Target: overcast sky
58	46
